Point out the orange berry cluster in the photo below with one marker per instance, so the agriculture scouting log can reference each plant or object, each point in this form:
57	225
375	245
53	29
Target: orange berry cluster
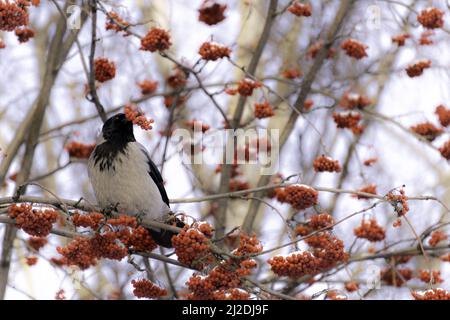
91	220
211	12
31	261
295	265
326	164
177	79
238	185
300	9
263	110
231	294
116	23
371	188
23	35
192	247
432	294
79	150
156	39
34	222
369	162
351	286
292	73
85	252
314	49
424	39
433	277
213	51
445	150
348	120
137	239
399	202
37	242
169	100
133	114
431	18
396	277
144	288
416	69
436	237
148	86
328	249
105	69
227	275
401	38
354	100
300	197
246	86
370	230
193	124
354	48
123	220
427	130
12	16
443	115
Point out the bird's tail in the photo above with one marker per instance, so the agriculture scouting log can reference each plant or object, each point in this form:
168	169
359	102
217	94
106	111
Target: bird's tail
163	237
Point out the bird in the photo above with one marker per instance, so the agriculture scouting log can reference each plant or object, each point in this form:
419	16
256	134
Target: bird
124	177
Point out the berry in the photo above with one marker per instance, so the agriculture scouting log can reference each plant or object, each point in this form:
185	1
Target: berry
431	18
156	39
354	48
211	12
213	51
105	69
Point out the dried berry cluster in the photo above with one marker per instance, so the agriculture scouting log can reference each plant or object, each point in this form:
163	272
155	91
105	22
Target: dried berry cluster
90	220
424	39
246	86
399	202
445	150
401	38
300	9
371	188
105	69
213	51
427	130
354	48
34	222
116	23
144	288
354	100
430	277
37	242
416	69
263	110
314	49
300	197
23	35
396	276
211	12
177	79
192	247
436	237
292	73
31	261
326	164
443	115
431	18
148	86
370	230
194	124
12	16
226	277
349	120
156	39
325	252
432	294
79	150
133	114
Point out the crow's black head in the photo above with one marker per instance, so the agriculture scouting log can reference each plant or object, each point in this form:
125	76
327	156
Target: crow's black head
118	128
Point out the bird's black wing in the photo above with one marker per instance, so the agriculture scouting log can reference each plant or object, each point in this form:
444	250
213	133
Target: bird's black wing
156	177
